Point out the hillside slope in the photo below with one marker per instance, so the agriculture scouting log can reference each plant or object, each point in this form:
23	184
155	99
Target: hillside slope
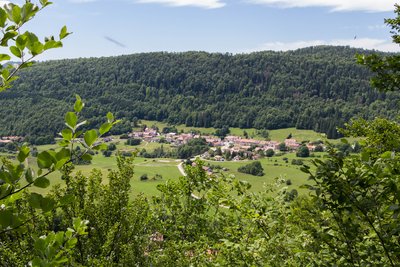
316	88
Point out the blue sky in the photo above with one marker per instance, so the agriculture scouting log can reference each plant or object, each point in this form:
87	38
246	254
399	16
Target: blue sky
116	27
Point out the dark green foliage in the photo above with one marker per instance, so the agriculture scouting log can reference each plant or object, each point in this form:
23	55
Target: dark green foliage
133	142
222	132
316	88
169	129
126	154
194	147
124	136
253	168
290	196
112	147
269	152
144	177
107	153
297	162
263	133
319	148
303	152
282	147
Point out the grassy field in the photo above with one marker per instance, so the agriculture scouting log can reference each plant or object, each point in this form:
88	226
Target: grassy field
275	167
167	168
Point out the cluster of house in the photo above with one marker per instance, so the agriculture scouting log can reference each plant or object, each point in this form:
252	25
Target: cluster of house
232	144
10	139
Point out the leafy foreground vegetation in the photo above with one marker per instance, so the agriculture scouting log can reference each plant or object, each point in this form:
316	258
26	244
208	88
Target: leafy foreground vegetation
351	219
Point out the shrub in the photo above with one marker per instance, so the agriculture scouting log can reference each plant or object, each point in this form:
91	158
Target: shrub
253	168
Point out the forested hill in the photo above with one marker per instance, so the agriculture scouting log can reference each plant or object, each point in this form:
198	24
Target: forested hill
314	88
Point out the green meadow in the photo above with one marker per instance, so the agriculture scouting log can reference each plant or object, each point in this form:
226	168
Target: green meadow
167	169
160	170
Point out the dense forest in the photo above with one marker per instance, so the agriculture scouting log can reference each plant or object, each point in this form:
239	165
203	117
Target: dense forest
316	88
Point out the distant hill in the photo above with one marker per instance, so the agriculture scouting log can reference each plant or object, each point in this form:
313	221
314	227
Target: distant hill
316	88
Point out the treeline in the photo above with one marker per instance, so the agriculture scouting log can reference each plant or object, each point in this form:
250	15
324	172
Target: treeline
316	88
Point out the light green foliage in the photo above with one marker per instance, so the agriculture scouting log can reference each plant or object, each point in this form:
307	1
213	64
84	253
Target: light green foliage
354	220
16	177
55	249
380	135
385	68
357	199
24	46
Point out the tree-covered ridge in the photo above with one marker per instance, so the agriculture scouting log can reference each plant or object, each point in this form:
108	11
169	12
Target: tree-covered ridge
316	88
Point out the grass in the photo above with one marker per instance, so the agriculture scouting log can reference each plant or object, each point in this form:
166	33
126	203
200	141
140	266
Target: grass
167	168
273	167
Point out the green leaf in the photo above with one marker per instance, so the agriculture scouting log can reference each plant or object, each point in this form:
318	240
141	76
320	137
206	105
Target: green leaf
67	199
52	44
4	57
45	3
110	117
26	64
5	190
63	154
28	11
44	160
101	147
87	157
67	134
387	155
78	104
35	200
3	18
71	119
47	204
9	35
16	14
64	33
42	182
15	51
71	243
90	137
365	156
29	175
62	157
23	153
6	218
105	128
37	48
20	42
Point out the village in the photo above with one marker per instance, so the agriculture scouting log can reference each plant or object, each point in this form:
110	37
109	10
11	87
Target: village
234	145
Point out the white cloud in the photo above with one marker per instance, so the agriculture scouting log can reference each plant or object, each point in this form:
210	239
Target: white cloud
378	27
335	5
366	43
82	1
208	4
